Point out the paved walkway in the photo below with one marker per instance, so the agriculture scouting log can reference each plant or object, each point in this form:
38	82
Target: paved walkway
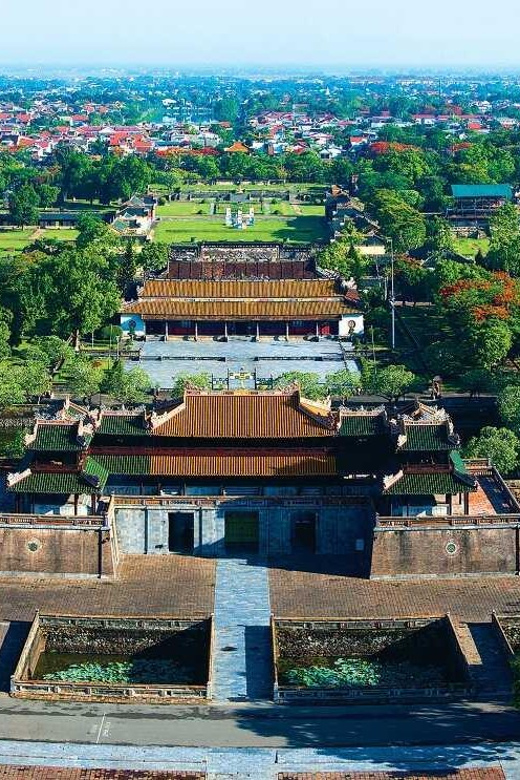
265	764
242	661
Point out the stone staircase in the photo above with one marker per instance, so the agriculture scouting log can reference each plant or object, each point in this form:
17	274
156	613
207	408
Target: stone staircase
242	665
488	667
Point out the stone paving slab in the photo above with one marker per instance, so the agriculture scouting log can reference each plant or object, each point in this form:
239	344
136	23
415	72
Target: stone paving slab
265	764
148	585
242	659
217	357
310	594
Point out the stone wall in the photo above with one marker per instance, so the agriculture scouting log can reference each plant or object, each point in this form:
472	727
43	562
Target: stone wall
61	551
444	551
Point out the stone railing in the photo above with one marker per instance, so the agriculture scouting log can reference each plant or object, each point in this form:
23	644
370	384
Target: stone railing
260	501
89	521
383	523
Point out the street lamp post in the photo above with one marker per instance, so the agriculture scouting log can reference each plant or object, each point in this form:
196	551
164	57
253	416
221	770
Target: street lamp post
392	293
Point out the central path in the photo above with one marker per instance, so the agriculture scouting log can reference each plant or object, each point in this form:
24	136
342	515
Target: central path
242	666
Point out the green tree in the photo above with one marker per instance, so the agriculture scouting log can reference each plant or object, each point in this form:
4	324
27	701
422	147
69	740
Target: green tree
134	387
492	342
504	250
308	382
11	386
91	228
35	379
390	382
84	378
343	384
80	295
153	257
400	221
476	381
129	387
23	206
184	380
501	445
509	406
49	350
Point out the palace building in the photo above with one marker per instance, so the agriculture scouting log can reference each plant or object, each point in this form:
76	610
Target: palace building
204	308
253	472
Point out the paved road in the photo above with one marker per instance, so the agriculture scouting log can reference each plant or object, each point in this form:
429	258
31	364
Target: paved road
265	725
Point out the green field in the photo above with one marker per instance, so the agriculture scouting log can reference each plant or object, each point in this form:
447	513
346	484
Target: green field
183	208
14	240
297	229
468	247
60	234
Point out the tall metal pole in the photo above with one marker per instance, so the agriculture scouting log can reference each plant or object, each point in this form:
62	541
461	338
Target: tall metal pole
392	295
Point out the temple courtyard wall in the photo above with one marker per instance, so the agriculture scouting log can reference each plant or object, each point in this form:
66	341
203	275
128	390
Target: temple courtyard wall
44	546
444	550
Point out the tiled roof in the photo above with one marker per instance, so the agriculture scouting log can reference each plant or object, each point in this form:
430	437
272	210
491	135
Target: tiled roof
423	437
429	484
358	425
481	191
250	463
209	289
122	425
183	309
95	472
54	483
57	437
250	416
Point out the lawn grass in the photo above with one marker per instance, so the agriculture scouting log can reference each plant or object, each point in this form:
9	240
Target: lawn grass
12	241
183	208
297	229
60	234
468	247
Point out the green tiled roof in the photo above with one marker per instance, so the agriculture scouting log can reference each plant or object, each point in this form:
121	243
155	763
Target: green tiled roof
53	437
122	425
95	472
429	485
61	483
482	191
128	465
362	425
423	437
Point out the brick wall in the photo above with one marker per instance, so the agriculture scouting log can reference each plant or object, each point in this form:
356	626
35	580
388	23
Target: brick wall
56	551
412	552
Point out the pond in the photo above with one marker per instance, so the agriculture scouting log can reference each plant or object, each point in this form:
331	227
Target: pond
345	672
108	668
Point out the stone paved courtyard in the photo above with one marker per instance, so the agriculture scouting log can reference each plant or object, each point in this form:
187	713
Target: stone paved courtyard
269	358
184	585
309	594
154	584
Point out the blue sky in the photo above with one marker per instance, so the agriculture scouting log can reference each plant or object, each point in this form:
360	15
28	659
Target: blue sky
265	32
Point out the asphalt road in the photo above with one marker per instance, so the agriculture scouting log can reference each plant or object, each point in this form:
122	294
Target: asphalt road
265	725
